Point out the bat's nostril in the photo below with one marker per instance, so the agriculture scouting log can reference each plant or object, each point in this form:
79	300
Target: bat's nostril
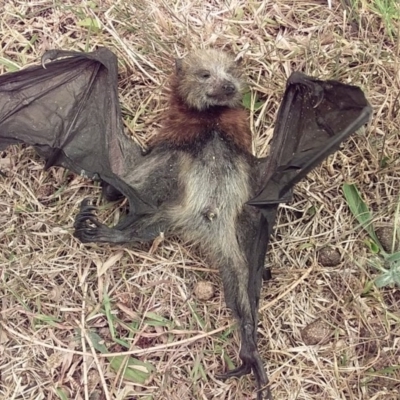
229	88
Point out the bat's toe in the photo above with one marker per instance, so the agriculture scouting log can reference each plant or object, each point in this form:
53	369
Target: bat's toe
244	369
86	224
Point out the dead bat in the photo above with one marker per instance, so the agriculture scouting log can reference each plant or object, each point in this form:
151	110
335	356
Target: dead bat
199	180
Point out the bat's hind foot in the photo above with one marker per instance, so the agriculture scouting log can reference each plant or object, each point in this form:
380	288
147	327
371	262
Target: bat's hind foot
244	369
251	361
89	230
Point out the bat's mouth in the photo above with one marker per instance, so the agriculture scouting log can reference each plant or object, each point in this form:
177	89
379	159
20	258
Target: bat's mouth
223	97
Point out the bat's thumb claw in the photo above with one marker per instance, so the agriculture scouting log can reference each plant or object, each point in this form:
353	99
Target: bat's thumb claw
49	55
313	85
46	57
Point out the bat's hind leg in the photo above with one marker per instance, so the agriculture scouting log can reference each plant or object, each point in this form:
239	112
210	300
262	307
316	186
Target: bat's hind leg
88	229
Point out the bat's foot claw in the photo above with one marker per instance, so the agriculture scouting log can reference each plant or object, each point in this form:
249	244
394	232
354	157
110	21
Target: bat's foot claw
87	227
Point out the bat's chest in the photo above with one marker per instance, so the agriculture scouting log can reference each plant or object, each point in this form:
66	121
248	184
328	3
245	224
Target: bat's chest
215	187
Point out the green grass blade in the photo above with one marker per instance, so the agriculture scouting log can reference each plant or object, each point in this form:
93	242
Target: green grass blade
97	342
61	394
133	370
109	315
360	211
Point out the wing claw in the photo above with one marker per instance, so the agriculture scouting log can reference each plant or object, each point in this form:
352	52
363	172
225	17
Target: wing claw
54	54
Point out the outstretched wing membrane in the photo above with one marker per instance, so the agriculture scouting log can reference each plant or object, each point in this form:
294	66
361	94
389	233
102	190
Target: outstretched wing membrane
314	118
69	111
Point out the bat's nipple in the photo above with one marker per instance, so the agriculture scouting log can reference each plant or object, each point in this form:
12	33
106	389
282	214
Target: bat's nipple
211	214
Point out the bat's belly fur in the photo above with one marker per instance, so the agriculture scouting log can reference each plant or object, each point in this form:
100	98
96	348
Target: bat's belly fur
214	188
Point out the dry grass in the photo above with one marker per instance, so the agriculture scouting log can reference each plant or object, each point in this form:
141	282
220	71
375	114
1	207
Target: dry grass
56	293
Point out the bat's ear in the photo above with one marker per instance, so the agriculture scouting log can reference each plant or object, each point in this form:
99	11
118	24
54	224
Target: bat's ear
178	65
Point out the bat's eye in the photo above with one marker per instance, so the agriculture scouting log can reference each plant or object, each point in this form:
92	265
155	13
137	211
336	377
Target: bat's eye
204	74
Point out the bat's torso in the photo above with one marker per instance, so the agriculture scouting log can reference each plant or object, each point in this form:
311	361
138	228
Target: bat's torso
206	193
213	188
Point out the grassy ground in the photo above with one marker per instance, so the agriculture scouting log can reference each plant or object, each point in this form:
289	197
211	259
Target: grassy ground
63	305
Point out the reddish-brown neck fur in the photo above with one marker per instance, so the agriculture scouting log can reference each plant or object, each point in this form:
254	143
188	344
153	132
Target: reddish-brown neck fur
182	126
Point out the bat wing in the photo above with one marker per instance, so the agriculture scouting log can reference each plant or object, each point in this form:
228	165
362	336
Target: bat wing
69	111
313	119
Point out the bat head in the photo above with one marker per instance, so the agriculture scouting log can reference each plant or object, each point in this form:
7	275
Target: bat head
208	78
